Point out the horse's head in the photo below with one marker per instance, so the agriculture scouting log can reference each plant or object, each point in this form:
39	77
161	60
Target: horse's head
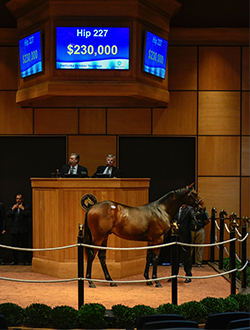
194	200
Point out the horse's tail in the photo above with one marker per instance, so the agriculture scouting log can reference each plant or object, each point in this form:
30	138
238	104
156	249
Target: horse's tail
87	237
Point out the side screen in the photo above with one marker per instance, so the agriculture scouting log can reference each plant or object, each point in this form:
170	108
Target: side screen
155	55
30	54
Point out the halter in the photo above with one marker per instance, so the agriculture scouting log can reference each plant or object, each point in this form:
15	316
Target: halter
196	202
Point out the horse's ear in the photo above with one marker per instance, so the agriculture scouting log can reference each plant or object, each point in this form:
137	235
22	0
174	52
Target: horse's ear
191	186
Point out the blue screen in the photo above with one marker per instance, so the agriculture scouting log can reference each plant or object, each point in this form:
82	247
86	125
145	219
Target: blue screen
155	55
30	53
92	48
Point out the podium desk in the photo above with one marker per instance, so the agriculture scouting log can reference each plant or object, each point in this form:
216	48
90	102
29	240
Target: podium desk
57	212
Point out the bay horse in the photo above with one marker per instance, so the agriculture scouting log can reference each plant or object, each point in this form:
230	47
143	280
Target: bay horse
149	222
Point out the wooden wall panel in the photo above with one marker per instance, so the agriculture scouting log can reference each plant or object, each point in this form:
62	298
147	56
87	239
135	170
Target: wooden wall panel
245	165
182	68
55	121
219	68
218	155
128	121
179	118
220	192
219	113
8	68
92	150
245	196
92	121
245	68
13	118
245	113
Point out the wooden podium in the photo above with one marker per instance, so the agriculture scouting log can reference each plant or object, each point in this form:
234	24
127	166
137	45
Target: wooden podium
57	212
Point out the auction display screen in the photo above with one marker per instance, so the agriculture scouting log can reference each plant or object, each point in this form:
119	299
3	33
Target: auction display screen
30	54
155	55
92	48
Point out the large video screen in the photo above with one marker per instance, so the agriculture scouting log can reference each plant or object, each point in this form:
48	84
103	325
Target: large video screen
30	54
155	55
92	48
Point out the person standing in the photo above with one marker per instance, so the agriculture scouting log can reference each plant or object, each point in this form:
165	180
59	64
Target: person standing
20	228
73	167
198	235
185	216
109	168
2	229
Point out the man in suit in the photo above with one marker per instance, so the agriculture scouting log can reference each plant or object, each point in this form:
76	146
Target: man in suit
2	228
185	216
20	228
109	168
74	167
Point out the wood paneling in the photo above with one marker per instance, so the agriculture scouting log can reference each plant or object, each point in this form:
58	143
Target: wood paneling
92	121
13	118
128	121
245	197
8	67
179	118
222	193
245	113
219	68
93	150
245	156
182	68
56	121
219	113
218	155
245	68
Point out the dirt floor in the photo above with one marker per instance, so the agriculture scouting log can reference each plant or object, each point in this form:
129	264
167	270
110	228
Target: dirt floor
66	293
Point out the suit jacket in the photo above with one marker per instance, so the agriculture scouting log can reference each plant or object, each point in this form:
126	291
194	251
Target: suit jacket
65	170
2	218
184	223
116	172
20	221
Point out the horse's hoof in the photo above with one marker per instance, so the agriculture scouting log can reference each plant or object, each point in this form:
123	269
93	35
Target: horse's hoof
113	284
149	283
92	285
158	285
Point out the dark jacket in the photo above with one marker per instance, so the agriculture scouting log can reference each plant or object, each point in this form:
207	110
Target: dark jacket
202	220
65	170
20	221
116	172
184	223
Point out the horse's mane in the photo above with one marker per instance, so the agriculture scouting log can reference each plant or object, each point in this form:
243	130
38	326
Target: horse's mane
177	193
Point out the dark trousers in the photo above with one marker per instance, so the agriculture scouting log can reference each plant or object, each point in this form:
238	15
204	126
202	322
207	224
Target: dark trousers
184	256
1	249
16	240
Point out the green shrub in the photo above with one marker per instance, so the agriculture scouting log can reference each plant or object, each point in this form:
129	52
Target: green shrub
125	318
243	300
230	304
213	305
92	316
168	309
226	265
38	316
194	310
13	313
64	317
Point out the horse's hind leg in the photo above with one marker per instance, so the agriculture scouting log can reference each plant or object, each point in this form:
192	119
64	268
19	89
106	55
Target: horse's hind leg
148	260
155	264
91	256
102	258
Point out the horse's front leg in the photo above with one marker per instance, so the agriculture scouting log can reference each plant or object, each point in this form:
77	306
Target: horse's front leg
155	264
148	261
102	258
91	257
